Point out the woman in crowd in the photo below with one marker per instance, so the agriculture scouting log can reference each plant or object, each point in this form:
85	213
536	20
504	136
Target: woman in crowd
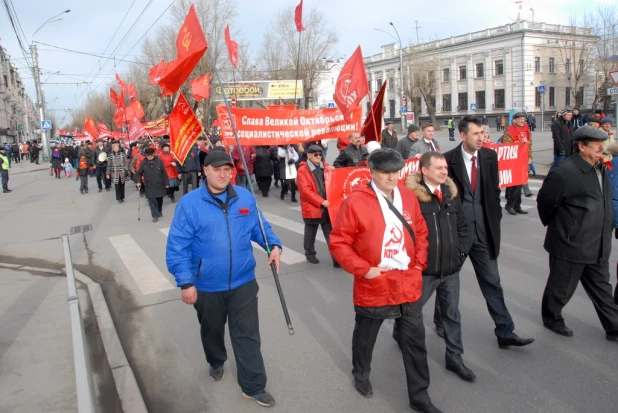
56	162
264	157
118	170
288	157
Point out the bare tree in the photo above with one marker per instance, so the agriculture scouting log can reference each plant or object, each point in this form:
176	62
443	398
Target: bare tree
421	80
605	23
279	53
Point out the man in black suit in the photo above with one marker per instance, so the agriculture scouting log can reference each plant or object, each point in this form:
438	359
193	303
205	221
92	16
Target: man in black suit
474	170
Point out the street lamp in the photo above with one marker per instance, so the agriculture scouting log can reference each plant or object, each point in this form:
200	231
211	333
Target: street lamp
36	73
402	94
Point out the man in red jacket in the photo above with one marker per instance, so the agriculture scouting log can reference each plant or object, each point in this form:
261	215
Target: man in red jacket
313	203
387	272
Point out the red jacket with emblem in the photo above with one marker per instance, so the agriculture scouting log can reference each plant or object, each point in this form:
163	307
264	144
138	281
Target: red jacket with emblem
168	158
356	243
310	199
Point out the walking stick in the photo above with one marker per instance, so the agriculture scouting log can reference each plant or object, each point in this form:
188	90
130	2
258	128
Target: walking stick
139	206
244	164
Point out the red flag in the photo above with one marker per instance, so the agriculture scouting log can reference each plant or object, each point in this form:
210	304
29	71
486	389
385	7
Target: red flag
62	132
113	96
232	47
184	127
137	109
132	92
155	72
298	17
91	128
136	130
201	87
122	84
351	85
191	45
120	113
373	123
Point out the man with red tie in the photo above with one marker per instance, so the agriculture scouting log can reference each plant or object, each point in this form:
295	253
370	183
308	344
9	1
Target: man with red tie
474	169
425	144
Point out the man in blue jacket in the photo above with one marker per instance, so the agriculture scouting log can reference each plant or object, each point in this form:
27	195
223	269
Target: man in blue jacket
209	252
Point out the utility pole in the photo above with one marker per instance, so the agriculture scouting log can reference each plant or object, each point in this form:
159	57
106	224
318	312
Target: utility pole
39	97
417	27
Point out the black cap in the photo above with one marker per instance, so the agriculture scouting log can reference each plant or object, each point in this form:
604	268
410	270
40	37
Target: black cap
388	122
519	115
315	149
589	133
413	128
218	158
594	119
164	145
149	150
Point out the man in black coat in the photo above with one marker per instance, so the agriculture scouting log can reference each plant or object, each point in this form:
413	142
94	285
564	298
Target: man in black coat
389	136
156	181
191	170
448	232
474	169
575	203
562	134
353	154
265	156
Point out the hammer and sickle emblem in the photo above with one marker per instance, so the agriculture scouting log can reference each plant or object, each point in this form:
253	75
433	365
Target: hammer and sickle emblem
205	81
186	40
396	237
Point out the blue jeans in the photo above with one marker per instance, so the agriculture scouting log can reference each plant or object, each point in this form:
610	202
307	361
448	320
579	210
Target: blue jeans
558	159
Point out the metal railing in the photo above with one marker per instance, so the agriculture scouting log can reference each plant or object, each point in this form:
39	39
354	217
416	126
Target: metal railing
81	356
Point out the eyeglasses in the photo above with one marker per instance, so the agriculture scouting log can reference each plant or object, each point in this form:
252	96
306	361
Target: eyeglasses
319	155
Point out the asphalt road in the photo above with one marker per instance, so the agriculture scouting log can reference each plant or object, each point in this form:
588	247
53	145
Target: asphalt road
310	371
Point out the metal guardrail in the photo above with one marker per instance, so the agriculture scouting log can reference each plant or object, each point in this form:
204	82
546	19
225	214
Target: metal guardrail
81	356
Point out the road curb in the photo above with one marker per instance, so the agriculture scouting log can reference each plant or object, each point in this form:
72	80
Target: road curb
25	172
129	393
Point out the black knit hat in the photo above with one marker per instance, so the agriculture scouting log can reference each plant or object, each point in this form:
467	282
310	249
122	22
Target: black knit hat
149	150
386	160
413	128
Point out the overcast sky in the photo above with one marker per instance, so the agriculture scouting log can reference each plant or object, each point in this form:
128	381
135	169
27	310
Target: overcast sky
90	26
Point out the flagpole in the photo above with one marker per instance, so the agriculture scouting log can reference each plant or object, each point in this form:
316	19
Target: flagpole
259	214
297	68
373	116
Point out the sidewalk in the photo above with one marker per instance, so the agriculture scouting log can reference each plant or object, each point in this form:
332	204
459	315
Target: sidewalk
25	166
36	351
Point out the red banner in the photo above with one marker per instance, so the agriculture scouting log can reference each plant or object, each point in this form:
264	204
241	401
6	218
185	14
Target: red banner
232	47
284	127
155	72
132	92
201	87
120	114
157	127
91	128
298	17
185	128
113	96
373	123
512	171
352	86
135	109
136	130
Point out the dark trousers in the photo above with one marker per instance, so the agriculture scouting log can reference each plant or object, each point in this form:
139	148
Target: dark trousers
288	184
562	283
15	157
240	307
513	196
5	178
411	342
100	173
451	132
156	206
83	180
264	183
189	177
488	277
170	192
311	230
119	191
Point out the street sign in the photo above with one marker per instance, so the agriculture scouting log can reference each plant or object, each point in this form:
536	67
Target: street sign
46	124
514	104
331	104
541	89
19	127
614	76
404	99
612	91
404	109
233	102
472	106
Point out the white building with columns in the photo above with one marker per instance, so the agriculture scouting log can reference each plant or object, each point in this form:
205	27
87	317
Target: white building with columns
488	73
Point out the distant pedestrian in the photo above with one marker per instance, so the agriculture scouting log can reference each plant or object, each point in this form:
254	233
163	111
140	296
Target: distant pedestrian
405	144
389	136
502	123
517	132
156	180
263	167
288	157
68	168
100	159
498	123
190	170
15	152
82	173
172	168
562	134
117	170
451	129
56	162
4	170
606	126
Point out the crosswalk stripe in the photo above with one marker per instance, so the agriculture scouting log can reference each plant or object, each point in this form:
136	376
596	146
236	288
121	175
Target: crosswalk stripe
296	208
144	272
289	225
289	256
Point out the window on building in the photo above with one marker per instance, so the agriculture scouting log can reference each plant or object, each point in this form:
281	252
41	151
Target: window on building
567	66
480	100
537	64
480	70
462	73
567	96
581	66
368	107
499	98
499	66
446	75
446	103
462	101
538	97
552	96
378	84
391	106
580	97
552	65
391	83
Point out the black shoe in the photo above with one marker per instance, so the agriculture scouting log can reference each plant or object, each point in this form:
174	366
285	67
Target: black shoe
5	191
282	196
155	219
611	337
100	189
313	260
426	407
263	399
160	214
562	330
217	373
276	185
510	210
336	264
462	371
521	211
81	191
514	341
529	195
294	199
173	200
119	201
363	387
108	189
440	332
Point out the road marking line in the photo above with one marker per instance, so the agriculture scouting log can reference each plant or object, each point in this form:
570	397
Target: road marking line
289	256
296	208
290	225
144	272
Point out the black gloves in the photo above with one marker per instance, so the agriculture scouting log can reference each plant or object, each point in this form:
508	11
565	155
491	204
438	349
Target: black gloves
616	233
291	162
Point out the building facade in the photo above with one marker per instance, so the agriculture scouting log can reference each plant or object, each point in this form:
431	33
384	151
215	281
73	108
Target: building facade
325	86
492	72
18	113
